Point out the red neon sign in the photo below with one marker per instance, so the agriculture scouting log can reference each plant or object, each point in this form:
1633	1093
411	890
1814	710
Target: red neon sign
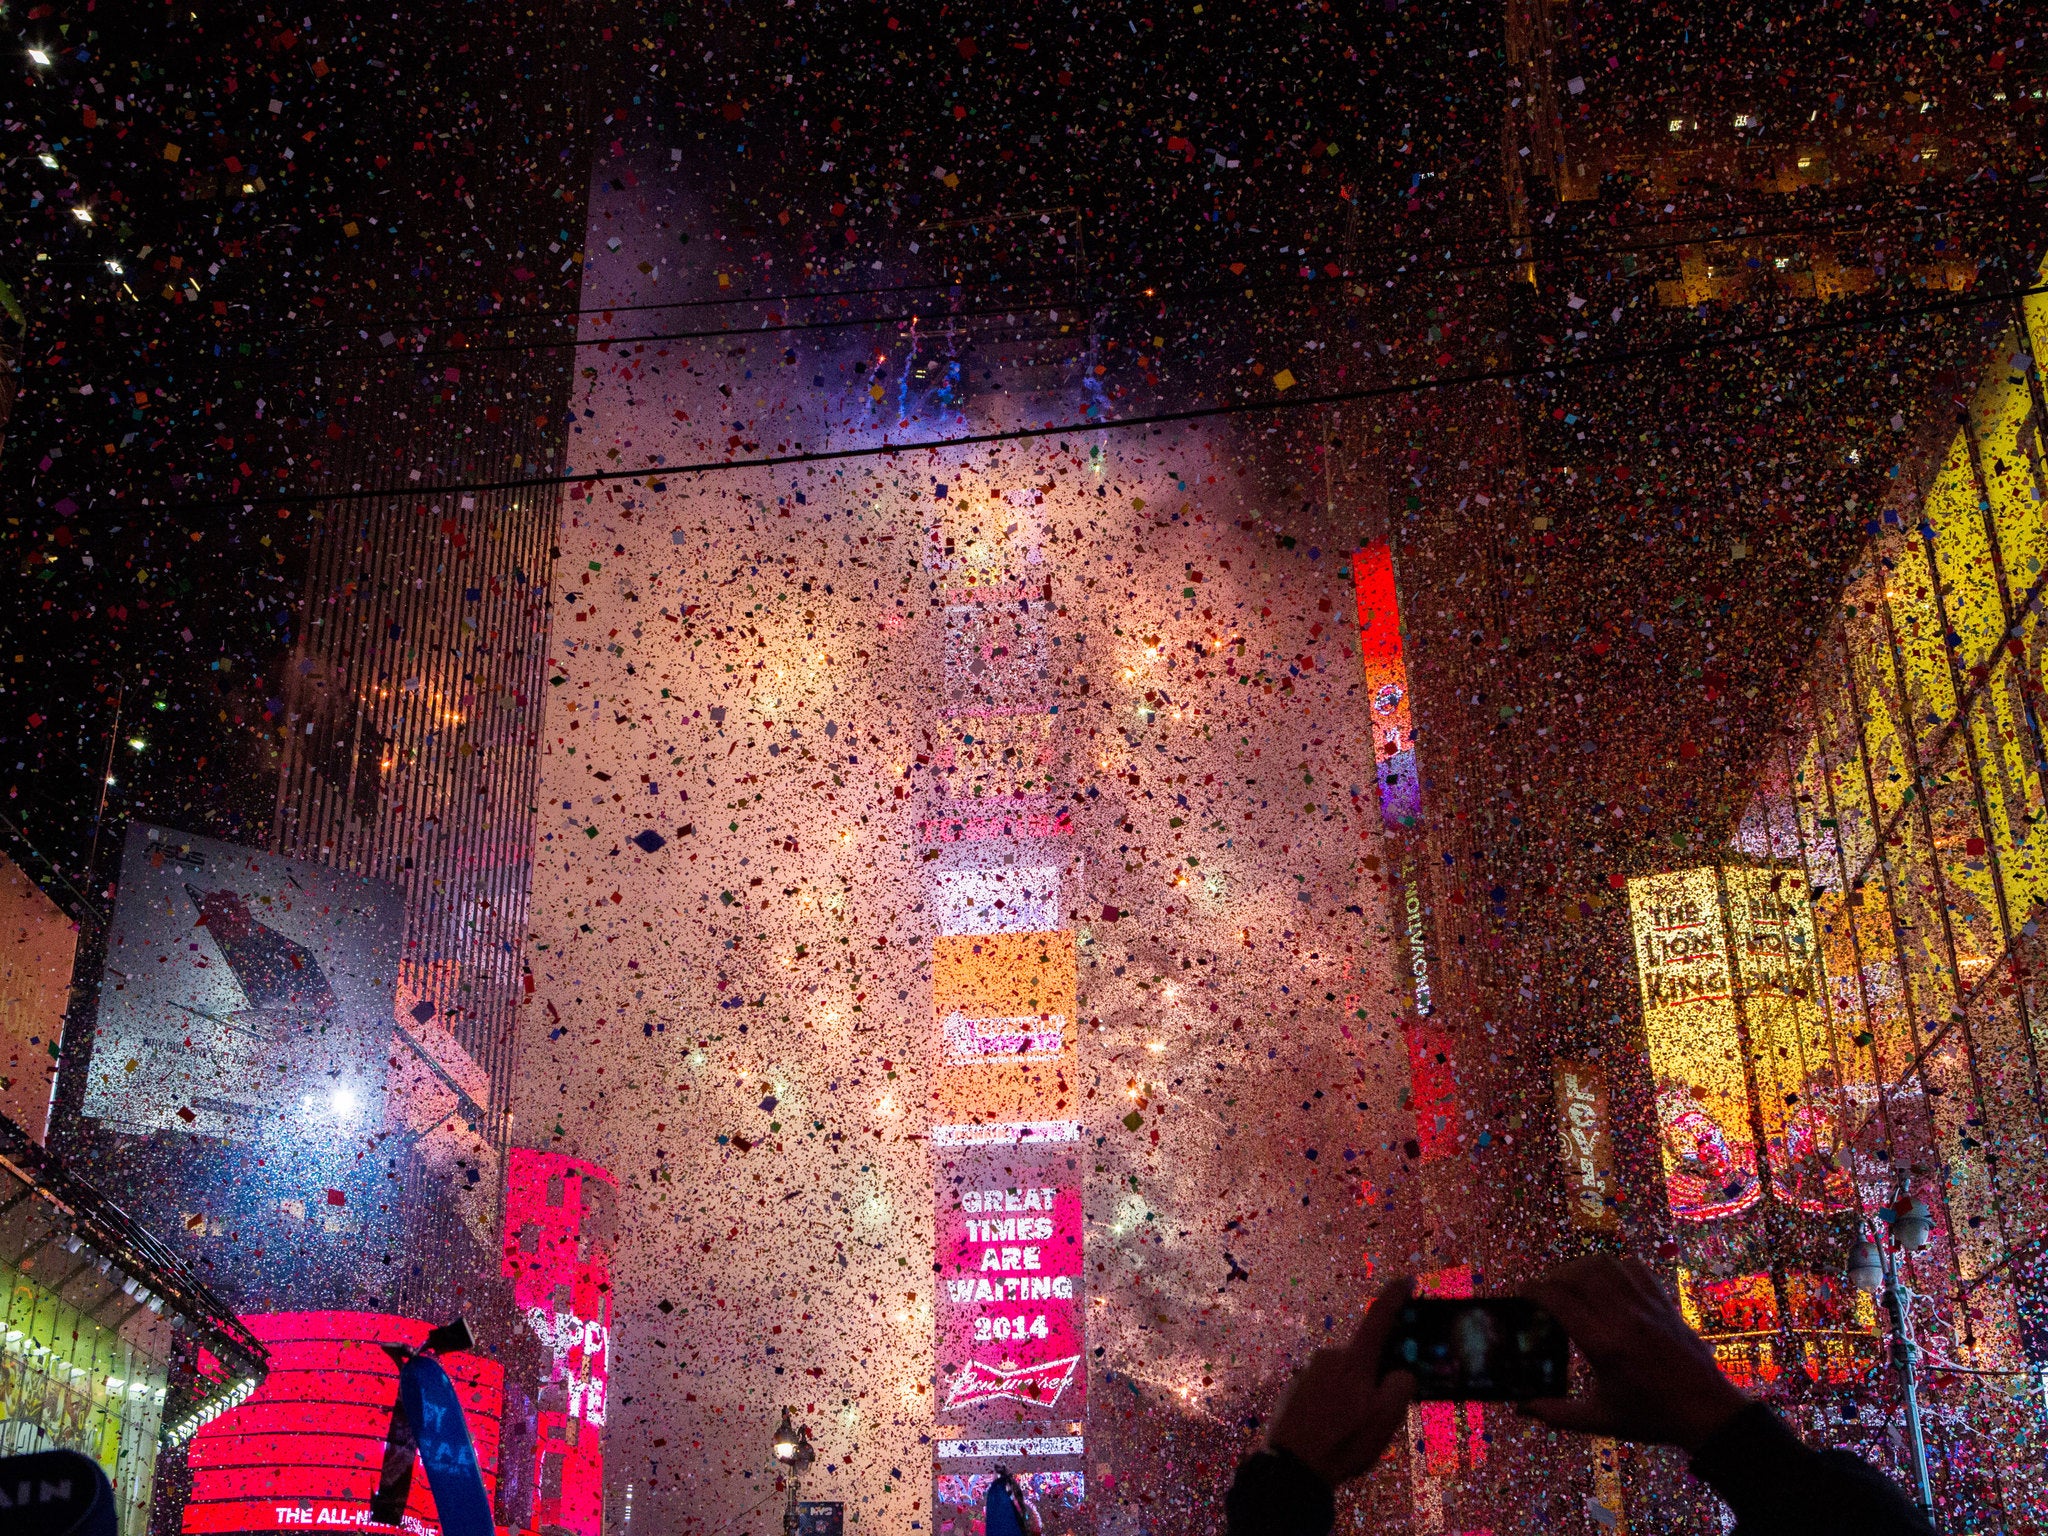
304	1452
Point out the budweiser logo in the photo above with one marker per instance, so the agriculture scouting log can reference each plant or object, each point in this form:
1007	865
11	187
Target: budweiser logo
1041	1383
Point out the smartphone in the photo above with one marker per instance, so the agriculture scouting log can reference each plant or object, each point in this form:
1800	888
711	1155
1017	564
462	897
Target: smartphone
1492	1348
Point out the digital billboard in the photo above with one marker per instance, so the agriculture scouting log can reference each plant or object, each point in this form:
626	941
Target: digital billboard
1005	899
242	995
1689	1019
306	1450
1004	1006
1009	1289
1386	682
38	946
560	1226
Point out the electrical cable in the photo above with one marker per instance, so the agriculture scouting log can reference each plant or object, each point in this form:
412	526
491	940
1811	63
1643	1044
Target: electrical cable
1282	403
1151	294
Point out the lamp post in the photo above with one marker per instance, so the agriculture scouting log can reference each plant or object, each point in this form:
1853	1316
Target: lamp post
792	1447
1873	1269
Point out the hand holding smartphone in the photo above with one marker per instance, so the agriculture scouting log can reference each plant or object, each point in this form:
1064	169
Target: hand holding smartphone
1487	1348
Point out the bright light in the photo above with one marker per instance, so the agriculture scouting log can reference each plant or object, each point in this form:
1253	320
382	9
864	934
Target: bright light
115	267
1155	1047
37	57
137	743
83	215
48	160
1677	125
343	1104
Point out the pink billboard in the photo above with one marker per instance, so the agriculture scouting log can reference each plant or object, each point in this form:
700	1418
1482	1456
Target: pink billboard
559	1225
1009	1320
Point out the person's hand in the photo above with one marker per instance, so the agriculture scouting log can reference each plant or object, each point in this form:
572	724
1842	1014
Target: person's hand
1654	1379
1337	1415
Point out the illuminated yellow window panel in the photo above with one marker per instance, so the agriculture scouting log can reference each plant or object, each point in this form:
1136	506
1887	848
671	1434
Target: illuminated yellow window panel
2007	757
1963	849
1884	747
1930	689
1969	583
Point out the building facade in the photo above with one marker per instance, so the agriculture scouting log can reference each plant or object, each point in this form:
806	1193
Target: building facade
1906	790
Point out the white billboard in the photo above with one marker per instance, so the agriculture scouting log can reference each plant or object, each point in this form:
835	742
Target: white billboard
244	996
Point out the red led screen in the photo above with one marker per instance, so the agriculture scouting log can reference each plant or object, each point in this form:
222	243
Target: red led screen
305	1451
1009	1303
559	1217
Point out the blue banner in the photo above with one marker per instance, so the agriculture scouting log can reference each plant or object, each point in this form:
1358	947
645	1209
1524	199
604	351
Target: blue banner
438	1426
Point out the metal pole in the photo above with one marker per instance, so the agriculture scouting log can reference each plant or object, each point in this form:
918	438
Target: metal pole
1898	1300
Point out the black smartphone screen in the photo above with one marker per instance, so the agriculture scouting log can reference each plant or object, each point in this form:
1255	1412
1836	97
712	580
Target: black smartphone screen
1494	1348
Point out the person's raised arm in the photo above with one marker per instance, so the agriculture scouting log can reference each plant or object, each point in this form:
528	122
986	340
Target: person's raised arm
1655	1381
1334	1419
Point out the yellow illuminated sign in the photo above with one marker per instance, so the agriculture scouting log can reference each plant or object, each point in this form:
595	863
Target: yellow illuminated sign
1681	942
1799	1088
1700	997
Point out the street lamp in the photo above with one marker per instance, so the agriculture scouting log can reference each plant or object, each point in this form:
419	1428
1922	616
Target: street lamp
792	1447
1873	1270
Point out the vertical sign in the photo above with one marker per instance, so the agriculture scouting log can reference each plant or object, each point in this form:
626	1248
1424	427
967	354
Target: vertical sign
559	1228
1386	684
1008	1278
1586	1144
1009	1290
1689	1018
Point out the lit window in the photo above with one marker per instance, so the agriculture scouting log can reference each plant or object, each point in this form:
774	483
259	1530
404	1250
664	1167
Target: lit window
1745	120
1677	125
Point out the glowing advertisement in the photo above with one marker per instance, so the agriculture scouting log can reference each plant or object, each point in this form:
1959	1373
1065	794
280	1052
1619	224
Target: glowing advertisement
1798	1087
1004	1010
1689	1019
560	1216
1586	1146
1008	1290
35	990
1002	900
242	994
1386	683
306	1450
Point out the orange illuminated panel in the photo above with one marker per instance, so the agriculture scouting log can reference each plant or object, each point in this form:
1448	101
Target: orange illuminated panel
1004	1006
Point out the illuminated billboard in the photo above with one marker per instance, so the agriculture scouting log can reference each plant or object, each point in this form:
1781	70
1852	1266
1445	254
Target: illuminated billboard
1586	1146
38	945
306	1450
1799	1089
1008	1289
1727	964
1689	1019
242	995
1386	683
1004	1006
1005	899
560	1225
